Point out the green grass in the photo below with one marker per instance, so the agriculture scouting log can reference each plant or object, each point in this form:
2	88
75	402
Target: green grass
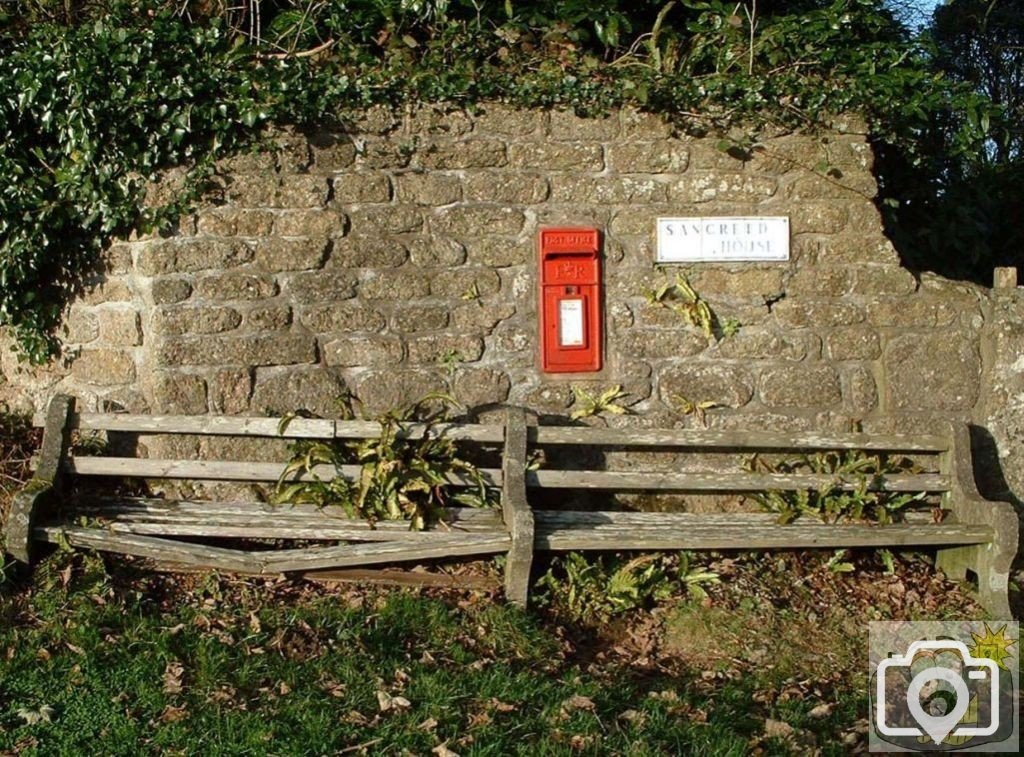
264	676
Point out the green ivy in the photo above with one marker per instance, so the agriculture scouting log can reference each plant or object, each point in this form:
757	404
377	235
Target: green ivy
87	116
93	108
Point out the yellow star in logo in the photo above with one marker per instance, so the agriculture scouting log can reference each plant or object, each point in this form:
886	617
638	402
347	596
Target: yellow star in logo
993	645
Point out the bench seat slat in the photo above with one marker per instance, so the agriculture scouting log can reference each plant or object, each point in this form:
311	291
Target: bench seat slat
619	519
222	470
559	532
711	439
259	520
459	545
720	482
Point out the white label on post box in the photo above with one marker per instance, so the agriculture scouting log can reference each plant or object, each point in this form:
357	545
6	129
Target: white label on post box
570	323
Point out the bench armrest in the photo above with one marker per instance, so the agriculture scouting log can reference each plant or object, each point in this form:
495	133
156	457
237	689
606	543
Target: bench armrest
40	490
21	518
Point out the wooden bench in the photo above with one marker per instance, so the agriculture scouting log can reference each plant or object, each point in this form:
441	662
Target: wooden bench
55	504
571	496
974	534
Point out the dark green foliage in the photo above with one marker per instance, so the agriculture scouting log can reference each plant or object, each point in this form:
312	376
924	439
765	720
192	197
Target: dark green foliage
87	115
399	478
591	590
832	502
954	204
97	97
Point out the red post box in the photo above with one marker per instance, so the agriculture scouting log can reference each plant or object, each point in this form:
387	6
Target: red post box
570	300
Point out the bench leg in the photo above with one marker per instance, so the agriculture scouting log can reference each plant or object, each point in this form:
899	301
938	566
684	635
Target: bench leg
992	574
518	563
515	510
990	562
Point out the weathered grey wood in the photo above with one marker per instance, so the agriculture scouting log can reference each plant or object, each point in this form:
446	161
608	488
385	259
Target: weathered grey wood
212	425
362	576
579	531
91	503
476	432
990	562
621	520
710	439
723	482
981	536
393	577
514	509
272	561
304	428
456	545
278	529
148	546
45	484
257	520
226	470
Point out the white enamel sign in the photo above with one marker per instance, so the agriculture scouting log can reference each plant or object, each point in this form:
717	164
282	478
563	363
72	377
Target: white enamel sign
695	240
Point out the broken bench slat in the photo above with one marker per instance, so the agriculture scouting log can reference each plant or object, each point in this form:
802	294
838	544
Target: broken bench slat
725	482
272	561
275	529
708	439
259	520
87	502
149	546
288	560
363	576
226	470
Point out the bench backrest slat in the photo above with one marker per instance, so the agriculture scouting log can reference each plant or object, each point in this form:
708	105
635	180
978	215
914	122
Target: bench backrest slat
296	428
709	439
222	470
469	432
722	482
214	425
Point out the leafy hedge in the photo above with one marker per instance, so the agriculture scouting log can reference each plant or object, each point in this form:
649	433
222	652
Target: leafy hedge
90	110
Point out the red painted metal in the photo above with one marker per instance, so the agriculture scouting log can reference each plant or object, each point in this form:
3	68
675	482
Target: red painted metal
570	300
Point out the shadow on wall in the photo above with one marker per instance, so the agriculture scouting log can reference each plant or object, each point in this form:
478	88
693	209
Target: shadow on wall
988	472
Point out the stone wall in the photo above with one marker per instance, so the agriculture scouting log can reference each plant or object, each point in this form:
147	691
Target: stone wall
399	258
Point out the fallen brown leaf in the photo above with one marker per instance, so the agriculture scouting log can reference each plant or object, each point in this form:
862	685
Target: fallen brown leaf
386	702
578	702
499	706
172	714
633	717
172	677
777	729
821	711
